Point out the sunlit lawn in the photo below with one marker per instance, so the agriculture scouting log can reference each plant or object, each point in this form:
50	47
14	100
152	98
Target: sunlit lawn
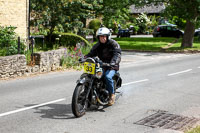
153	44
196	45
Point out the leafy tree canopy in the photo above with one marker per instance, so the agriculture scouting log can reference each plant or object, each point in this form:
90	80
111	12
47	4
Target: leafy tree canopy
114	12
62	15
188	10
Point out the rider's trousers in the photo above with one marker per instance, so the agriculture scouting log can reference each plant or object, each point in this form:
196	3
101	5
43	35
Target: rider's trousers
109	81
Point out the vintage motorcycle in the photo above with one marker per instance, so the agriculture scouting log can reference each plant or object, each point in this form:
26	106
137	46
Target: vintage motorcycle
91	87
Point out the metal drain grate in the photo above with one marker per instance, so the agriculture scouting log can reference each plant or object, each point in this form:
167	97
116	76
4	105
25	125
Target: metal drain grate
162	119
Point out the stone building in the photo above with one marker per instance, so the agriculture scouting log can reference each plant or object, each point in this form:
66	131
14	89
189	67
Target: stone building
149	10
15	13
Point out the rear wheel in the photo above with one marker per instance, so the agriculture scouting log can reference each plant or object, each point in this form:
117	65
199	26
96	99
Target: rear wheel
115	85
79	103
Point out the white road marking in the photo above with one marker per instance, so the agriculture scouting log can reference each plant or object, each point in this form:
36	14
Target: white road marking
198	67
55	101
139	81
31	107
172	74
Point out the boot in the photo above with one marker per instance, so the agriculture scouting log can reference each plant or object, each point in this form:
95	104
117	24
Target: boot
112	100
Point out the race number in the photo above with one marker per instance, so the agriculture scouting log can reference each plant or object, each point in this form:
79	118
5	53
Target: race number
89	68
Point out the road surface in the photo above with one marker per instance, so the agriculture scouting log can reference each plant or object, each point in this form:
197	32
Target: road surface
152	83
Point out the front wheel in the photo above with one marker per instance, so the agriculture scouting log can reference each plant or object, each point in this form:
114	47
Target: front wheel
79	103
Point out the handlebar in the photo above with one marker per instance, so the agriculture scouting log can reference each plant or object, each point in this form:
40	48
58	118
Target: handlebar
106	64
82	60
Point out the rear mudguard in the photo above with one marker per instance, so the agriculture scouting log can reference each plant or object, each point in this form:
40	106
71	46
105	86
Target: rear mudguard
118	80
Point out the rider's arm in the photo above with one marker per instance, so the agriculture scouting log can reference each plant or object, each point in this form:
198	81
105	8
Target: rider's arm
116	53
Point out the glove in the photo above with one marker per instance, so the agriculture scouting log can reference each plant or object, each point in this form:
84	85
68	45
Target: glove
100	62
112	64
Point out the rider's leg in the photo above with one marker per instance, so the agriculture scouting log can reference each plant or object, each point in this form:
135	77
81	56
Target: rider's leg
110	84
109	81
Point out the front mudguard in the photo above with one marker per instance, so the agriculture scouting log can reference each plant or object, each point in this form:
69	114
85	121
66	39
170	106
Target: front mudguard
83	79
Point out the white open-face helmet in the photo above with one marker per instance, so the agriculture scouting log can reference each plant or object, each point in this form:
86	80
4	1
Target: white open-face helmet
103	31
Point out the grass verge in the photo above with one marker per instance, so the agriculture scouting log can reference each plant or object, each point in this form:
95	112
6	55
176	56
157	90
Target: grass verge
195	130
155	44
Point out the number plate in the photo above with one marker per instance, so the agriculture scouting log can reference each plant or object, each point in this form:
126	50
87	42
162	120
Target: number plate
89	68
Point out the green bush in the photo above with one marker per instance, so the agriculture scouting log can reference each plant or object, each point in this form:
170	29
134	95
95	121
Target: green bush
85	31
72	55
143	22
70	59
8	41
7	36
135	27
13	49
69	39
95	24
3	52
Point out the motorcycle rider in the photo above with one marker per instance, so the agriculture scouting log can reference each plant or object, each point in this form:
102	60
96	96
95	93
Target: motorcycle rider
109	52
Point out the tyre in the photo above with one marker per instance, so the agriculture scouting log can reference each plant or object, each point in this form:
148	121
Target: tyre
115	85
79	103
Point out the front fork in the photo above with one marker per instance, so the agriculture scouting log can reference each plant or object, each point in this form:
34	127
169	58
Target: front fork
89	88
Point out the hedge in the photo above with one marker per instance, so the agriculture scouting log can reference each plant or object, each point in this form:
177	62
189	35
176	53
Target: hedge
70	39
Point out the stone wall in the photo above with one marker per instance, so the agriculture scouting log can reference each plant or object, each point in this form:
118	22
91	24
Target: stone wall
49	61
14	13
14	66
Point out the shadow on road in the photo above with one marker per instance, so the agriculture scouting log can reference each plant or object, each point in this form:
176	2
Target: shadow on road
63	111
54	111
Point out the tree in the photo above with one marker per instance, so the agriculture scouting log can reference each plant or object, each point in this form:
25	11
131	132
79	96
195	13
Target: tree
77	12
94	24
62	15
47	14
188	10
71	15
113	12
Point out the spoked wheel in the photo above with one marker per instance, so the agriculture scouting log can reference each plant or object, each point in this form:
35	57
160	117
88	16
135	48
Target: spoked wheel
79	103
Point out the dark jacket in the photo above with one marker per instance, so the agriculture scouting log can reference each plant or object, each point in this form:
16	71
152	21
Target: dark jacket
110	52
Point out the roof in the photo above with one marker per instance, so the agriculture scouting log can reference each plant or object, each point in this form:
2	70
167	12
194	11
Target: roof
147	9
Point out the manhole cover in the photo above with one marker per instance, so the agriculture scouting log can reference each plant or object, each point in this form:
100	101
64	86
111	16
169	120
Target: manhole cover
162	119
